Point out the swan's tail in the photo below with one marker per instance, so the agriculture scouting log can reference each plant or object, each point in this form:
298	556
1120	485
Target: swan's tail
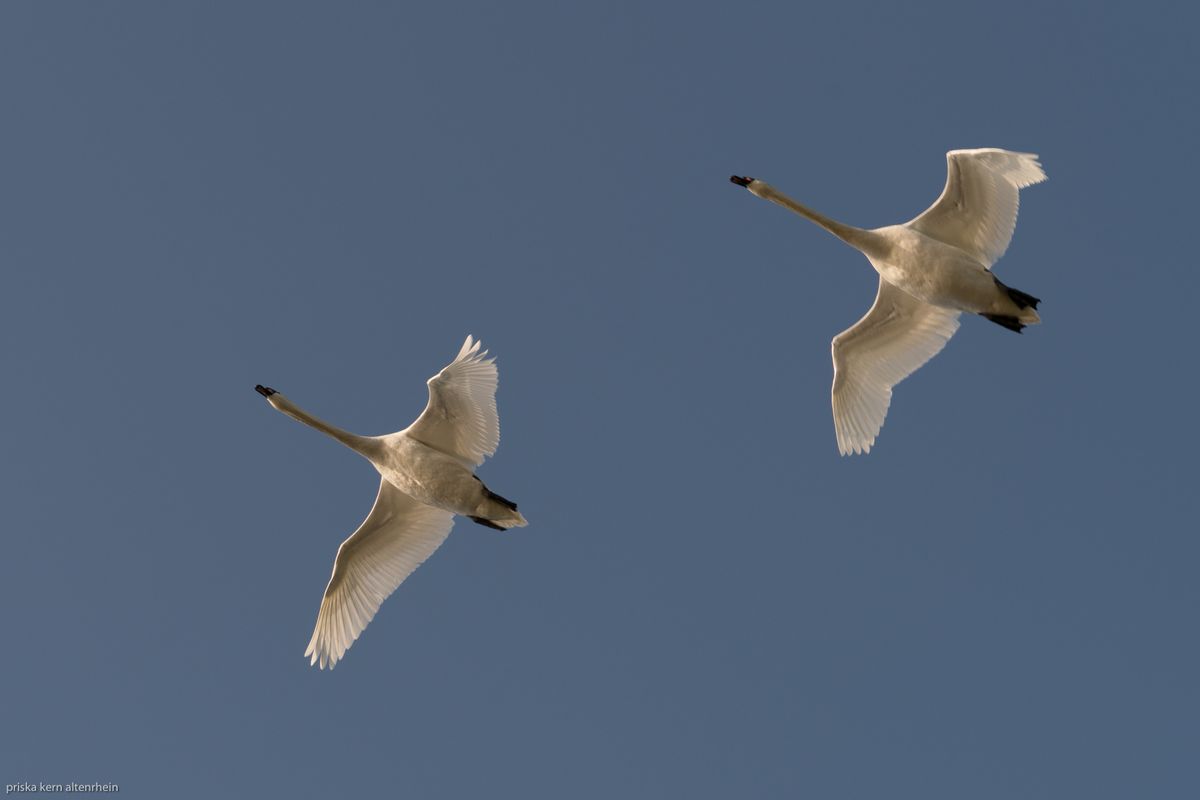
498	512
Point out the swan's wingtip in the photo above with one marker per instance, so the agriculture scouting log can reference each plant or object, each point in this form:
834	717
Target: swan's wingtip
320	659
469	347
854	448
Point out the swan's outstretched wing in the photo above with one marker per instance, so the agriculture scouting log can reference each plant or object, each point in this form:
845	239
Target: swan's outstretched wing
977	211
393	540
460	418
897	336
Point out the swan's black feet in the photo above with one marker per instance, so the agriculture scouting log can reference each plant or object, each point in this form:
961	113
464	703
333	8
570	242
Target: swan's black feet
1022	299
740	181
486	522
265	391
504	501
1012	323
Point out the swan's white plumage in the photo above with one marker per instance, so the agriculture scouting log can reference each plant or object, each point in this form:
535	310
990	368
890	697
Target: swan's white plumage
977	211
893	340
460	418
931	269
395	538
427	476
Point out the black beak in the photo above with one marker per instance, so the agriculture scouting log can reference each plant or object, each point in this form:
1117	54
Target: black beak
265	391
739	180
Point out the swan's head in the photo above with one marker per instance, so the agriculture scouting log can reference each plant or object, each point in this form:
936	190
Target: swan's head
755	187
276	399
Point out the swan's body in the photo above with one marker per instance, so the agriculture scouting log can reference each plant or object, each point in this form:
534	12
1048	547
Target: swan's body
931	269
426	477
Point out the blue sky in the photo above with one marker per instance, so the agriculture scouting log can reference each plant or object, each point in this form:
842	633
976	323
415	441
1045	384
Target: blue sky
999	601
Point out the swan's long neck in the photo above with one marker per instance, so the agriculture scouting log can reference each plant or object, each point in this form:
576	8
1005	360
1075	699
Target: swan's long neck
855	237
360	444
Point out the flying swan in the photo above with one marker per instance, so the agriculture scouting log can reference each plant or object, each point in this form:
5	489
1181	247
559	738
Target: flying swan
930	270
426	477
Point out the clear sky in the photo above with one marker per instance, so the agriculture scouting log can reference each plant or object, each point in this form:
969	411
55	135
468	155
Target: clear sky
998	602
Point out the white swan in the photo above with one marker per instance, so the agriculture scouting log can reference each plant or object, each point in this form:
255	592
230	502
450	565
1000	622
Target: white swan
930	269
427	476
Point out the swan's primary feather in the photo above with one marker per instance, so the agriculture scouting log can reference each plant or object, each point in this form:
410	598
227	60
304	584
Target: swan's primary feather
897	336
977	211
394	539
460	418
